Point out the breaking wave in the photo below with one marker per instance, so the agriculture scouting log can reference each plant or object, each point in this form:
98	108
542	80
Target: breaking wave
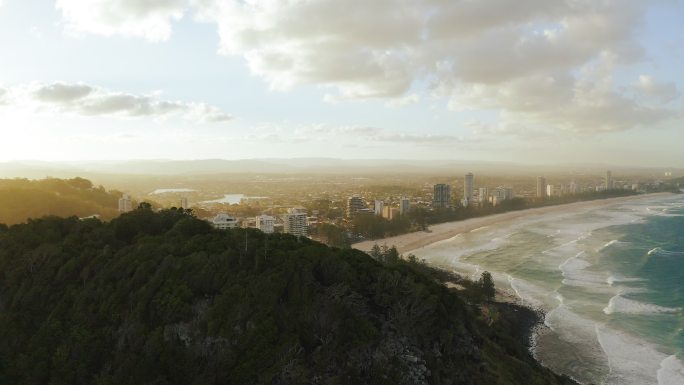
620	304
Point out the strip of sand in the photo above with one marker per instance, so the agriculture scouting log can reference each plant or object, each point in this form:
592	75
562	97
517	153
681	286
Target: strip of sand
416	240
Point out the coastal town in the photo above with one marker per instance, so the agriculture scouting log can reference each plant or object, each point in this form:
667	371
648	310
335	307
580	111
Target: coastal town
352	212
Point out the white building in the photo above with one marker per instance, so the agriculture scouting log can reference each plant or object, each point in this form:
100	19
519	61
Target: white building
549	190
574	188
483	195
125	204
265	223
468	188
609	180
378	207
224	221
404	206
295	222
501	194
541	187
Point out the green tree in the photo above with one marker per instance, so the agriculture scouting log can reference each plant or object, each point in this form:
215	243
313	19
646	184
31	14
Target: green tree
487	286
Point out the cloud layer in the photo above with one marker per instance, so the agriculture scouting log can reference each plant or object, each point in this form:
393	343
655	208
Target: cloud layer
149	19
87	100
544	65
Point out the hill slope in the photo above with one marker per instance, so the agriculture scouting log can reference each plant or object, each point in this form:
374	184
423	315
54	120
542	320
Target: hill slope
21	199
161	298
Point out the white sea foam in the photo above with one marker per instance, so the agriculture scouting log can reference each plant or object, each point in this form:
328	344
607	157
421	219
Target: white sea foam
631	360
575	273
671	371
617	278
664	253
529	294
620	304
614	242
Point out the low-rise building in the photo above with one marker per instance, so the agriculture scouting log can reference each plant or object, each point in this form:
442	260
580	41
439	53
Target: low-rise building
224	222
390	213
125	204
265	223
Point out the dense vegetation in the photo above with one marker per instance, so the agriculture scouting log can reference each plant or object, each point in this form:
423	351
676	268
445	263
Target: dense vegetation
21	199
162	298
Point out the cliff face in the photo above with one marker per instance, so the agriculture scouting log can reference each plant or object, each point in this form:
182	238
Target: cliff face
161	298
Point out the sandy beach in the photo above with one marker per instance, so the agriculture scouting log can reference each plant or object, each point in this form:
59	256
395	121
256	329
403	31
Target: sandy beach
408	242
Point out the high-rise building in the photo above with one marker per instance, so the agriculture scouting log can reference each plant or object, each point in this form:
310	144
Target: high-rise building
354	205
541	187
468	187
184	203
441	195
265	223
483	195
125	204
404	206
549	190
295	222
378	207
609	180
574	189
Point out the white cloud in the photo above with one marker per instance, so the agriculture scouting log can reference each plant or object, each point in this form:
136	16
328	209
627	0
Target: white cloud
662	91
544	65
584	103
148	19
86	100
364	135
525	58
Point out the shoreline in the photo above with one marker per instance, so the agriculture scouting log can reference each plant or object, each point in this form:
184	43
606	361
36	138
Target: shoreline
442	231
530	329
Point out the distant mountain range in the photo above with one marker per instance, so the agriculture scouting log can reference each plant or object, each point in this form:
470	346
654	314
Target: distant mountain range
41	169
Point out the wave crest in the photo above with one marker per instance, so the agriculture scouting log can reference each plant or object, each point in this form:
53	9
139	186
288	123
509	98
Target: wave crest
620	304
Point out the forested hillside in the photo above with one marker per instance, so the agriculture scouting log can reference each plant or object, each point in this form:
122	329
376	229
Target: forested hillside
21	199
162	298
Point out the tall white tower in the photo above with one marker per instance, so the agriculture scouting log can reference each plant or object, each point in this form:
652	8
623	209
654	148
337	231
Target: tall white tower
609	180
541	187
468	188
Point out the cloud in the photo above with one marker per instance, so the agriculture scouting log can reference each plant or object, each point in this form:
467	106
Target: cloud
528	59
148	19
62	93
361	135
662	91
584	103
3	93
543	65
86	100
380	48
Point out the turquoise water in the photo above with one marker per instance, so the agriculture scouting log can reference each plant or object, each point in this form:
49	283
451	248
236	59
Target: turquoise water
610	280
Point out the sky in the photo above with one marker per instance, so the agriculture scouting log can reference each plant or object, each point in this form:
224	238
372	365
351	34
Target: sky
526	81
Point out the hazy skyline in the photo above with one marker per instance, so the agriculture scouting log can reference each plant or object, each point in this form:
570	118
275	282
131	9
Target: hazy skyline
532	81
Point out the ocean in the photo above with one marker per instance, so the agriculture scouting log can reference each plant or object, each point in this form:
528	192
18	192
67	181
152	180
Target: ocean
609	278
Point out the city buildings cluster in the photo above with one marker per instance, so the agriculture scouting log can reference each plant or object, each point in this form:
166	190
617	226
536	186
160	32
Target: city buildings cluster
440	196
